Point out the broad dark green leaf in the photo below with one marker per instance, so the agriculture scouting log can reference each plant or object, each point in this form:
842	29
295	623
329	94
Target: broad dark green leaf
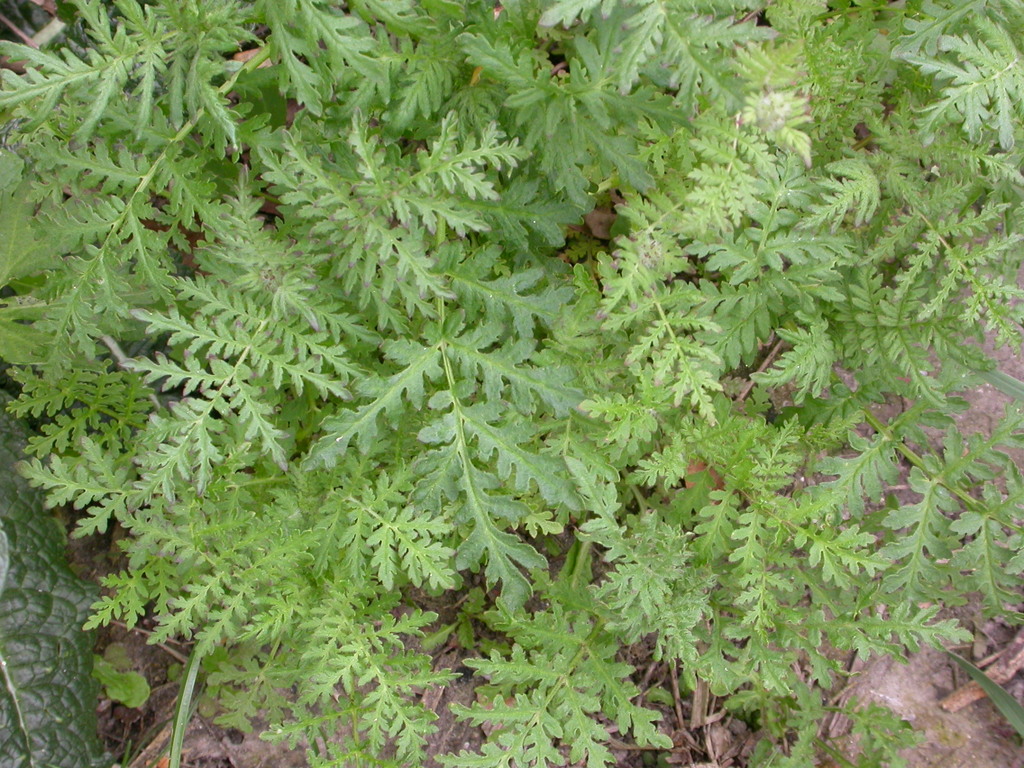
48	700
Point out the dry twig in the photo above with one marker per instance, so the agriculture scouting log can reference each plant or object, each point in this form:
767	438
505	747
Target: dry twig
17	31
761	369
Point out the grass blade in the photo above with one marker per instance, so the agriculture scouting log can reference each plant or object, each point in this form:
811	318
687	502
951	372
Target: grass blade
1010	708
183	710
1005	383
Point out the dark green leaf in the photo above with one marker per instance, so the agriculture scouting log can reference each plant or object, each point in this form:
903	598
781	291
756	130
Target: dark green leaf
48	701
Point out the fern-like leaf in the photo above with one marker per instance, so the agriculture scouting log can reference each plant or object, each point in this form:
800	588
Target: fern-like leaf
983	89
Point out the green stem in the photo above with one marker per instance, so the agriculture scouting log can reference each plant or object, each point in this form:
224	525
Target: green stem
837	756
582	559
639	499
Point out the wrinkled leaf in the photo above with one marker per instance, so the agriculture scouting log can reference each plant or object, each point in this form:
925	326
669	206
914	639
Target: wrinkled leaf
48	699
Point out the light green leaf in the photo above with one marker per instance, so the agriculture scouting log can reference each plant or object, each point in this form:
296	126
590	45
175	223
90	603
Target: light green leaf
19	343
127	687
11	168
24	250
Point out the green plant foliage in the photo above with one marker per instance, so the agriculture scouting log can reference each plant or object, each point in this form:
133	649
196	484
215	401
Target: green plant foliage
1008	706
48	700
303	322
120	682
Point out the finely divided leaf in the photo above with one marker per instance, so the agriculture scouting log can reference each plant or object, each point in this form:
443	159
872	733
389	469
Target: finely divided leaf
361	423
